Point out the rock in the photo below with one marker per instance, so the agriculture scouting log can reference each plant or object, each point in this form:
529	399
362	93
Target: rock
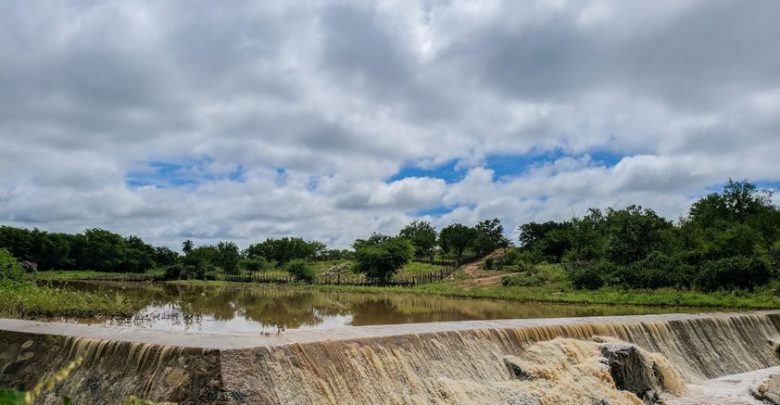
515	366
25	356
775	344
768	390
631	372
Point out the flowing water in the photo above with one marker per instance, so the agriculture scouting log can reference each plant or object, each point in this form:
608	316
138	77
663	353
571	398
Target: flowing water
559	362
267	308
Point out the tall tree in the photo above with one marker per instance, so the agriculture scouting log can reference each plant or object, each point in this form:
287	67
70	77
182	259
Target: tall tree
489	236
227	257
457	238
632	233
423	237
187	246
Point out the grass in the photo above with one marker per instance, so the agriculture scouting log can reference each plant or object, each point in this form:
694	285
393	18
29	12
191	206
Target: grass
762	299
65	275
27	300
540	283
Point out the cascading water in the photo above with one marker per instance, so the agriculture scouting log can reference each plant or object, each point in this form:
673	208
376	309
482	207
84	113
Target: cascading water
555	363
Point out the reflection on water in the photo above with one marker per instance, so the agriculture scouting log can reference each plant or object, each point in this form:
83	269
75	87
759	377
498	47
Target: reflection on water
269	308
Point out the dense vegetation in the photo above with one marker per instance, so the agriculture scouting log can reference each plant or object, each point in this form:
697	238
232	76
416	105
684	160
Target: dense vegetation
20	297
95	249
728	240
379	257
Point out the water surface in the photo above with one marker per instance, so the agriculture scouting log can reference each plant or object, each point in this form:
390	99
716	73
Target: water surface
269	308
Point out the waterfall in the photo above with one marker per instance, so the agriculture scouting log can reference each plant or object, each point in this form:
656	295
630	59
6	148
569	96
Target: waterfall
556	363
469	367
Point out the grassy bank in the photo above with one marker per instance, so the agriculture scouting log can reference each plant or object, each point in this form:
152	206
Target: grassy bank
543	284
63	275
27	300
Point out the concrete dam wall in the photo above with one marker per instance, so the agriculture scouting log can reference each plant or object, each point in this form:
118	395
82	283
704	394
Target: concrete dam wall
543	361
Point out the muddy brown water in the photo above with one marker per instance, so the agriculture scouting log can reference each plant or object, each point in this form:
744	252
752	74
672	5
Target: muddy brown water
267	308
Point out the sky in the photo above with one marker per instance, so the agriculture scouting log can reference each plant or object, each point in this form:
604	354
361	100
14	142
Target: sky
331	120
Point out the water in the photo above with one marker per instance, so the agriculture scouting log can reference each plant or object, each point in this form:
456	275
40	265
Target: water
562	363
267	308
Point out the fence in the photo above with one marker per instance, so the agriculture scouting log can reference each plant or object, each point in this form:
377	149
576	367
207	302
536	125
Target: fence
349	279
447	262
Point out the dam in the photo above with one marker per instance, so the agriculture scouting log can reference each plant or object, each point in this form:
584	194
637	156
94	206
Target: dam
529	361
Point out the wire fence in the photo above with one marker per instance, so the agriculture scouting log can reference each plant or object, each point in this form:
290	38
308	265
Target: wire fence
406	280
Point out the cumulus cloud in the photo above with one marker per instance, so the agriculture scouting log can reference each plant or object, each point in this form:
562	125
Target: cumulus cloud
332	120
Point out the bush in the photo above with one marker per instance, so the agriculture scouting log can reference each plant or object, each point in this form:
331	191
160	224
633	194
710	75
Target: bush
174	272
255	264
525	280
489	264
10	269
512	257
301	270
593	275
655	271
731	273
380	257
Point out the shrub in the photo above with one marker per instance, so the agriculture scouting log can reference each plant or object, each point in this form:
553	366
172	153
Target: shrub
255	264
593	275
10	269
380	257
301	270
655	271
731	273
174	271
489	264
525	280
512	257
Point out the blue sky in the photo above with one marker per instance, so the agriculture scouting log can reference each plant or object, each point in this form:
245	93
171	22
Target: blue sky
184	173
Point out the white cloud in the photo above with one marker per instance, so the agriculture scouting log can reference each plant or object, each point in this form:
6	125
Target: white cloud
317	104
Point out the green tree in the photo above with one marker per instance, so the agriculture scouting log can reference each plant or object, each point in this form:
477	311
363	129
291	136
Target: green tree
380	257
632	233
489	236
733	273
551	239
10	269
187	246
200	262
423	237
737	240
457	238
284	249
164	256
139	256
586	237
300	269
102	250
227	257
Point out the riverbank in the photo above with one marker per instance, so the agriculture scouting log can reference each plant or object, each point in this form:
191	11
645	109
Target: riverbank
553	292
28	300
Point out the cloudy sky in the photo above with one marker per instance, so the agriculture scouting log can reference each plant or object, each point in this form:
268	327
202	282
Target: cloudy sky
330	120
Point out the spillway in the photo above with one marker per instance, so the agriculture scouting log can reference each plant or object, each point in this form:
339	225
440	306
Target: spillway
541	361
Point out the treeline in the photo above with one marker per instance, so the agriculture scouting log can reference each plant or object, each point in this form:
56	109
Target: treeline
455	239
206	262
94	249
728	240
378	257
